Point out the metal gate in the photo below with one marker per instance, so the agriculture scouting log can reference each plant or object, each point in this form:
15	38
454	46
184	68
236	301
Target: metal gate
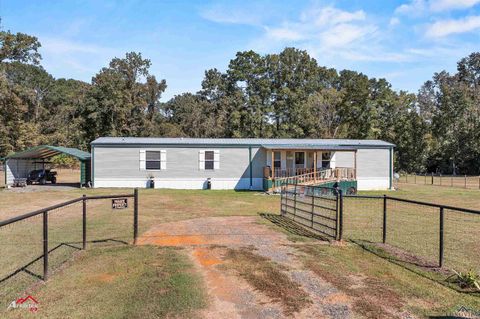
315	207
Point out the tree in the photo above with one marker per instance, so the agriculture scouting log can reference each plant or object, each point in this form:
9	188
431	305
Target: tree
323	113
119	103
19	47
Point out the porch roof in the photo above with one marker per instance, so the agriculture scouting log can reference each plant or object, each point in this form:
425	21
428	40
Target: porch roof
311	147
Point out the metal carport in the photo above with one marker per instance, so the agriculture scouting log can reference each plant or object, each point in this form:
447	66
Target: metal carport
18	165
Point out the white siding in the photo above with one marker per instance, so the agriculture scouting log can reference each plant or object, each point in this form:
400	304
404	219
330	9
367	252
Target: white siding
19	168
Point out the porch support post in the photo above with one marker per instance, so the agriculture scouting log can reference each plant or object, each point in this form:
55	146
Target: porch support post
355	165
315	166
273	164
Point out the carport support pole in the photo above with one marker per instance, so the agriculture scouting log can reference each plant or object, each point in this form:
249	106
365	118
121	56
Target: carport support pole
84	221
45	246
135	215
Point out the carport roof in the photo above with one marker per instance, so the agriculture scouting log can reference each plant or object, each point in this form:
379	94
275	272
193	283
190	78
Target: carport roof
47	151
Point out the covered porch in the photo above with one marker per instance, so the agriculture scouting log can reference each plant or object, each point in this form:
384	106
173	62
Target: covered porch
309	166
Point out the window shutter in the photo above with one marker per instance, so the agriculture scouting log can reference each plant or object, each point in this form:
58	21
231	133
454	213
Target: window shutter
216	159
163	159
142	160
201	160
332	161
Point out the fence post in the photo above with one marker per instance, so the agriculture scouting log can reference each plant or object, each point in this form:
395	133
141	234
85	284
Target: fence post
340	213
84	221
425	179
432	178
295	201
135	215
384	229
465	180
451	181
440	179
313	204
442	219
415	178
45	245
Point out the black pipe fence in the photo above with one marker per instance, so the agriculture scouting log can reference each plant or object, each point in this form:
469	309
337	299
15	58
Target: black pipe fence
60	225
431	235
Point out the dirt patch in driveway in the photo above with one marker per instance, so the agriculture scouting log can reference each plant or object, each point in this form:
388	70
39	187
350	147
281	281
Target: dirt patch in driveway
222	248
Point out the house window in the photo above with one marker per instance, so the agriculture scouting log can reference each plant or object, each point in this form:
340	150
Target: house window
277	160
326	157
153	160
209	159
299	159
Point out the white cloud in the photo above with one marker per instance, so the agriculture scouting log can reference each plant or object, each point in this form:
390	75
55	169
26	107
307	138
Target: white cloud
444	28
62	46
80	59
331	16
414	7
419	7
233	15
445	5
329	33
283	34
394	21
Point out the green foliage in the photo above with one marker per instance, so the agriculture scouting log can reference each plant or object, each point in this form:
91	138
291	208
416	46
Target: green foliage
64	161
19	47
280	95
469	280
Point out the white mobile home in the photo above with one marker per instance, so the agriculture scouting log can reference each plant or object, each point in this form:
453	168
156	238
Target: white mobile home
256	164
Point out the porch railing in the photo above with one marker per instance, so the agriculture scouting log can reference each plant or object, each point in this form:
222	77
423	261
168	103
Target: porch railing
322	175
340	172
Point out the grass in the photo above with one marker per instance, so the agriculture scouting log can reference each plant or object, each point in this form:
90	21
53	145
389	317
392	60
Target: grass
22	242
381	289
415	228
121	282
459	181
268	277
468	198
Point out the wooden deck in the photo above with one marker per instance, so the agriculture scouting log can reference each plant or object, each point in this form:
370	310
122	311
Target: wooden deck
316	177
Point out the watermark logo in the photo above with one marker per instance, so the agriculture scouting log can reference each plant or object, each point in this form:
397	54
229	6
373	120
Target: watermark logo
29	303
466	312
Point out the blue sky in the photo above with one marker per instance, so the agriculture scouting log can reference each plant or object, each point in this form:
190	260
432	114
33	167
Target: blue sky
405	41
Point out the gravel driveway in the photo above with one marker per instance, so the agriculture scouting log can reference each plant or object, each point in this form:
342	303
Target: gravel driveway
206	240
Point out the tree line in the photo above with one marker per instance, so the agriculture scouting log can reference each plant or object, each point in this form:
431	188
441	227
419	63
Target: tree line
280	95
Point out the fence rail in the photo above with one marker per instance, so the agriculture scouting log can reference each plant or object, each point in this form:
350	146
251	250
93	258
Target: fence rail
460	181
315	207
429	234
51	213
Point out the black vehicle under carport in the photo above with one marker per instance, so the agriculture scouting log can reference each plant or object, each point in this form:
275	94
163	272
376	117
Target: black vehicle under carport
20	165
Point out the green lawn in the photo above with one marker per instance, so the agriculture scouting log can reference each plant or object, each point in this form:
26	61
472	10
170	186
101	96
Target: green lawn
121	282
377	285
415	228
150	271
22	242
